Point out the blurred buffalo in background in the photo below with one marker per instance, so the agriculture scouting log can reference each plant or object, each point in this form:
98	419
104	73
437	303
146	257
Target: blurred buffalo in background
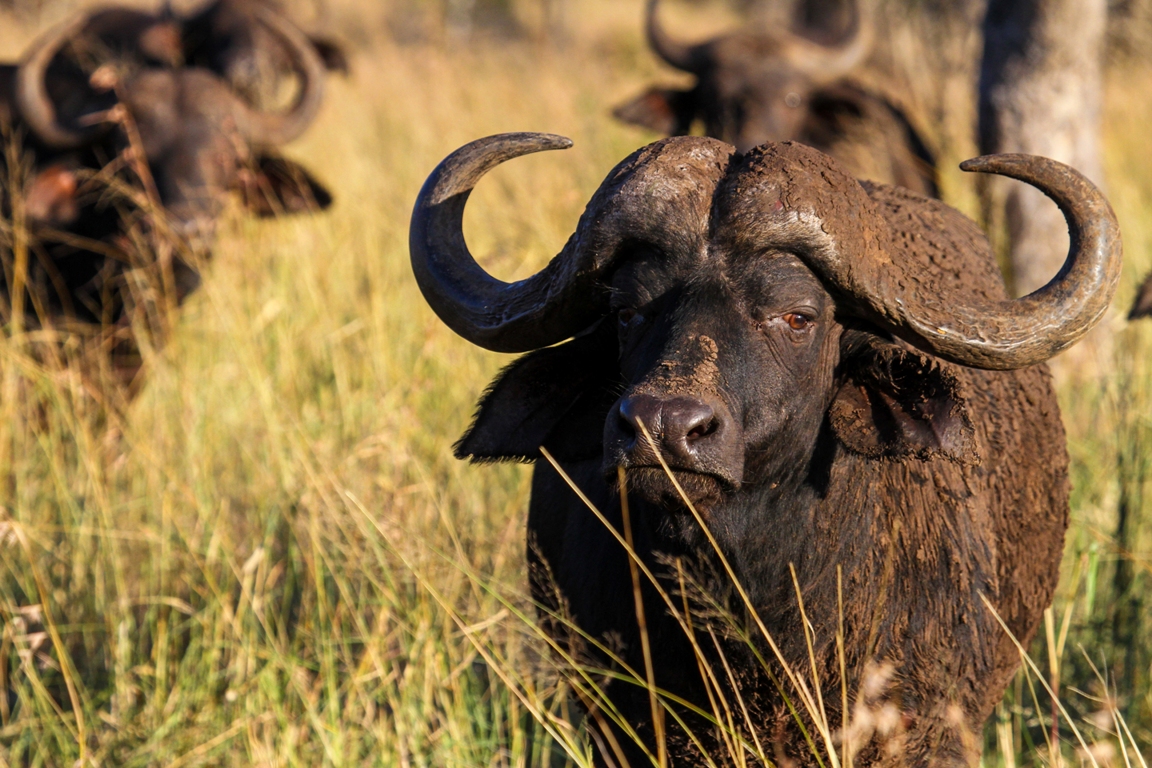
777	85
121	160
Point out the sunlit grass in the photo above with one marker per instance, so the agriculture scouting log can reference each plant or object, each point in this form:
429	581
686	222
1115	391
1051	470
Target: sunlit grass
273	559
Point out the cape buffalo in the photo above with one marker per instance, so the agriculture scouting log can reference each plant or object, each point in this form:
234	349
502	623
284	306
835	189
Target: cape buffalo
839	383
753	87
180	136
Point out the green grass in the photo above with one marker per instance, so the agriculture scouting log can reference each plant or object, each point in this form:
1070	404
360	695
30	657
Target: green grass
272	557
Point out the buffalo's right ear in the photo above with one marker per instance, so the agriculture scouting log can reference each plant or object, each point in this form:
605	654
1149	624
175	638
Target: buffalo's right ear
557	397
275	185
663	110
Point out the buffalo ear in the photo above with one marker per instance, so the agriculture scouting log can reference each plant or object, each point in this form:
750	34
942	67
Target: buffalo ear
663	110
50	197
275	185
331	53
1142	305
897	403
557	397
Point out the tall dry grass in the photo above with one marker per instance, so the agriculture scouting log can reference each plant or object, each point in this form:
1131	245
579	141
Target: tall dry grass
272	558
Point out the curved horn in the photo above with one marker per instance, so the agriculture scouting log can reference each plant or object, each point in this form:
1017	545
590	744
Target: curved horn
567	296
675	53
32	98
504	317
923	270
858	249
826	63
280	128
1032	329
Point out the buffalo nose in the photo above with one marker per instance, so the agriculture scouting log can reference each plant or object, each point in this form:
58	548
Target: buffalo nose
677	424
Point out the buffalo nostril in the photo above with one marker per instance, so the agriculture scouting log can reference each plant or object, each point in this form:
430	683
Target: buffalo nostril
693	419
703	430
625	425
677	425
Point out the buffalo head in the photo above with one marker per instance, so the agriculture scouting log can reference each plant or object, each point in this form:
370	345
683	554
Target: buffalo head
750	87
734	300
198	137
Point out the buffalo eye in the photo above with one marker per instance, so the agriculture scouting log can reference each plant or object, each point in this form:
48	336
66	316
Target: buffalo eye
627	317
797	321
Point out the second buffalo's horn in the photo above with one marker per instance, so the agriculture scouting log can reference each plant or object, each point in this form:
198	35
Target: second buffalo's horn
674	52
827	63
32	97
272	128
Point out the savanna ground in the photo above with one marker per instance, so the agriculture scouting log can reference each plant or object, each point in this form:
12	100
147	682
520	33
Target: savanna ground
271	557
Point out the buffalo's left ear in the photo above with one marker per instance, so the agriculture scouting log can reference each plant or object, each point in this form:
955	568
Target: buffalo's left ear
663	110
331	53
557	397
898	403
275	185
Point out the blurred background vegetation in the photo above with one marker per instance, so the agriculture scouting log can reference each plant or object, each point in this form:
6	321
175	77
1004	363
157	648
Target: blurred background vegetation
270	557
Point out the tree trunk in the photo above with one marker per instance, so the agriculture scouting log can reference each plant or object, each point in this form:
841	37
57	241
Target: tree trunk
1040	93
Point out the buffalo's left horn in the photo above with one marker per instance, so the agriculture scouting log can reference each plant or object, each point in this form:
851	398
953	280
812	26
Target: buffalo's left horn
990	333
528	314
32	98
271	128
1032	329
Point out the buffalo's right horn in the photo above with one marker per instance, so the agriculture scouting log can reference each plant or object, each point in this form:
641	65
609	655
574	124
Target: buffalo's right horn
528	314
677	54
32	98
